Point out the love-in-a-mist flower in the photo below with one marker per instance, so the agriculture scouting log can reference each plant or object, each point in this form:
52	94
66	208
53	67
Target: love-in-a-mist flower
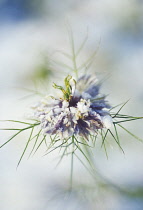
81	110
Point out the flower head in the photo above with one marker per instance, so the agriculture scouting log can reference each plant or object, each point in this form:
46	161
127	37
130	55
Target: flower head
80	111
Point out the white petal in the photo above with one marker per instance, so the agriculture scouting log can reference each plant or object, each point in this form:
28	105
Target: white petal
65	104
107	121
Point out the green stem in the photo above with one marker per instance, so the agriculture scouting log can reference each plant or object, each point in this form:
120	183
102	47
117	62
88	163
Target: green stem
74	57
71	175
75	67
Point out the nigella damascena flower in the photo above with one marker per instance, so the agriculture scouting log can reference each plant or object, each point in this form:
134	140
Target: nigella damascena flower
81	110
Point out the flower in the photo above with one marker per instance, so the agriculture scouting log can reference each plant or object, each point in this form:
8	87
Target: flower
80	111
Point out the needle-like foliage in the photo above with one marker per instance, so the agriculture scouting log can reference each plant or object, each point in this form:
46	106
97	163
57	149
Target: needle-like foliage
73	123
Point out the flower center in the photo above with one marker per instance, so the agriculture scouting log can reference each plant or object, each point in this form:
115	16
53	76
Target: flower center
79	111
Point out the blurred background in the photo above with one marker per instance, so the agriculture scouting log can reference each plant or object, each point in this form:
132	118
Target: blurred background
31	35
